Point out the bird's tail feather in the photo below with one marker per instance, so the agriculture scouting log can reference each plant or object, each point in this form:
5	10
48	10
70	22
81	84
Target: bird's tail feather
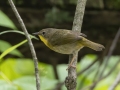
92	45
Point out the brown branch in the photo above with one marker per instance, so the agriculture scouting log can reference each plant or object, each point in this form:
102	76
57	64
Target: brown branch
70	81
29	42
79	73
82	71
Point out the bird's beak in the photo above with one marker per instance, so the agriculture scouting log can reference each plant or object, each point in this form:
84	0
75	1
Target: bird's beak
36	33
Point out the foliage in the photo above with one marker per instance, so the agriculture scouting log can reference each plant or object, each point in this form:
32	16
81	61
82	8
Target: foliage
73	2
87	78
7	48
5	21
18	74
113	4
54	16
22	78
5	45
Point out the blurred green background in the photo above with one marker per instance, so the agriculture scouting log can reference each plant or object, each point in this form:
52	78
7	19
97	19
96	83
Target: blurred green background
100	24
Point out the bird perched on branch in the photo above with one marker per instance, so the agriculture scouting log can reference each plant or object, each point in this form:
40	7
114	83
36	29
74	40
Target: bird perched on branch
66	41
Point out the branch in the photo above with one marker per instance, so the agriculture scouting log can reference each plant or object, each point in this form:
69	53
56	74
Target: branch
96	82
79	13
116	82
79	73
29	42
112	47
86	68
70	81
101	61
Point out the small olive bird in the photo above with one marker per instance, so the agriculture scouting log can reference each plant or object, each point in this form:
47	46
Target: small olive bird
66	41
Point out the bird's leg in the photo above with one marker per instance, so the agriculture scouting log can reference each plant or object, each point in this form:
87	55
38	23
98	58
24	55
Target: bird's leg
70	65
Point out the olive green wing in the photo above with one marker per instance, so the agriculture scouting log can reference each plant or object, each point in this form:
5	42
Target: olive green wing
62	37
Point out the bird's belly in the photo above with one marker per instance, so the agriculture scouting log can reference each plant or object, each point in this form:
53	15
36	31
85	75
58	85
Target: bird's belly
67	48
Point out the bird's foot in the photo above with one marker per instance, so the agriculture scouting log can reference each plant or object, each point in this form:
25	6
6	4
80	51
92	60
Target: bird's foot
69	66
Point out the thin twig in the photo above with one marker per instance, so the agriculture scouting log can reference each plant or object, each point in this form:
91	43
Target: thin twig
112	69
29	42
112	47
100	64
59	86
96	82
116	82
101	61
70	81
88	67
84	78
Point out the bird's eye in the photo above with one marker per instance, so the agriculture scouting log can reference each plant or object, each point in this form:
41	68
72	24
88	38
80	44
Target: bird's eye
43	33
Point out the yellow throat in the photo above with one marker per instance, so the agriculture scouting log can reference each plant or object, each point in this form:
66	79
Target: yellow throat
44	40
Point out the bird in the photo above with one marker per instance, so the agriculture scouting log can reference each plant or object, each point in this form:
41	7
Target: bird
66	41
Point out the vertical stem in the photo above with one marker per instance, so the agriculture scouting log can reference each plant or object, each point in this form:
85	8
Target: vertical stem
70	81
29	42
79	13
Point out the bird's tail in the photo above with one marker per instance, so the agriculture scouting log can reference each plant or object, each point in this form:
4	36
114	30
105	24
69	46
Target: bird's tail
92	45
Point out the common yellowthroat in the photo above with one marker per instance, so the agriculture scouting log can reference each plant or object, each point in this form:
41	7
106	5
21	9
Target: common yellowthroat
66	41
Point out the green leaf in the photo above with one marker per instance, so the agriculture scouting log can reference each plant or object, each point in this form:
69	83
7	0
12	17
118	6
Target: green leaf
61	69
105	83
86	60
10	69
47	84
46	70
6	86
28	63
62	73
25	83
118	87
28	83
5	21
11	49
20	74
5	45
